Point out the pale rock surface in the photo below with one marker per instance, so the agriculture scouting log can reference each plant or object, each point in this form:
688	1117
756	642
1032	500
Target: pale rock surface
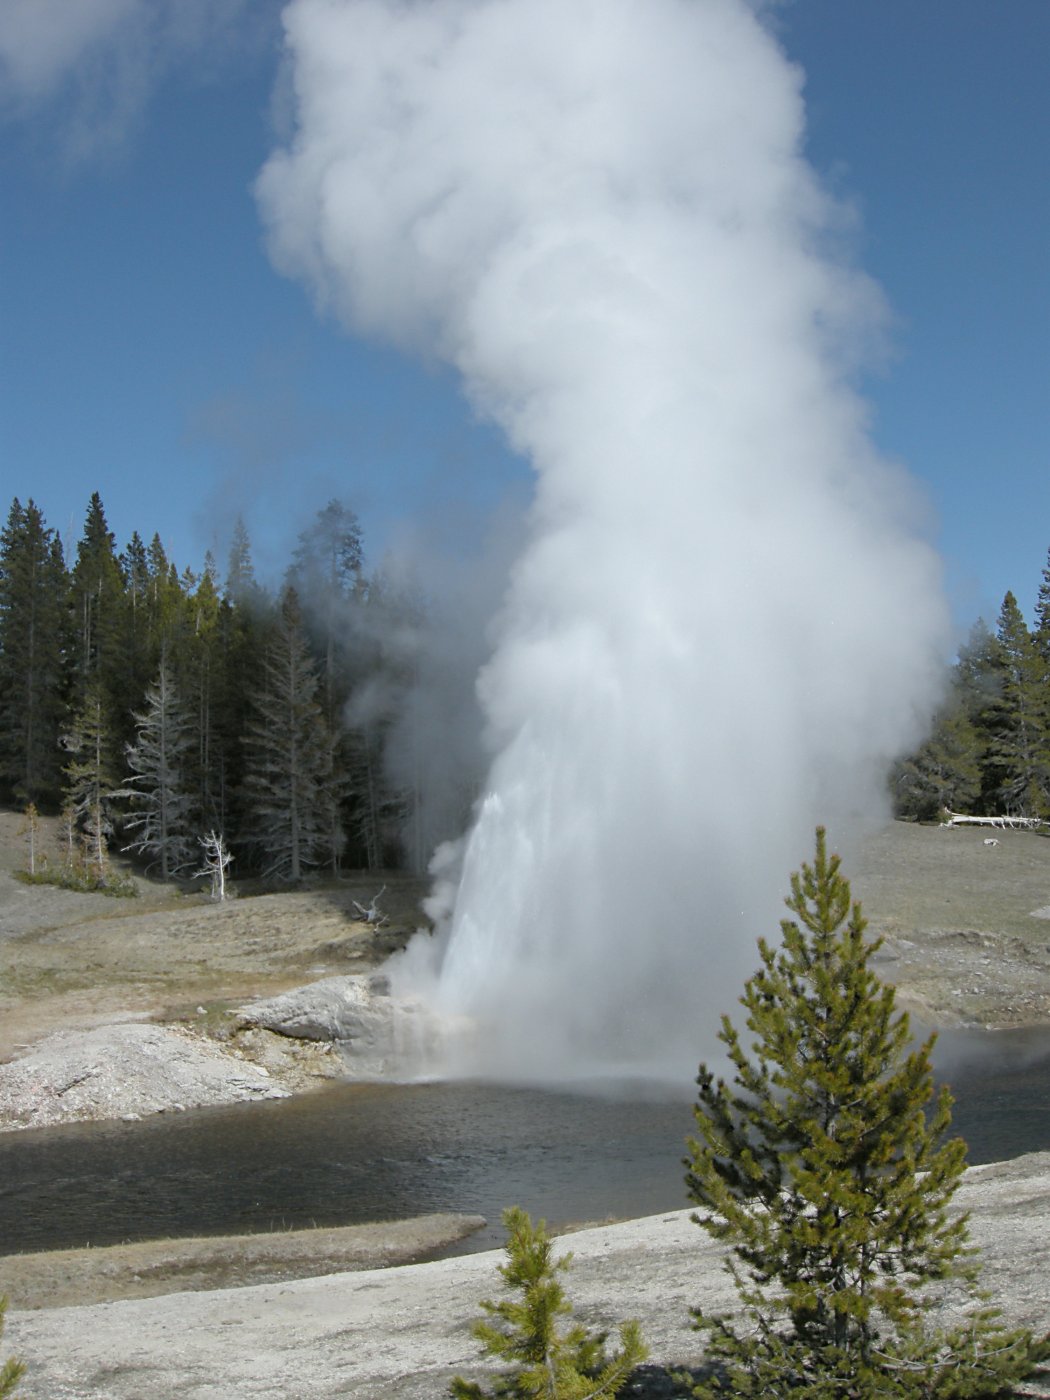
374	1033
124	1071
401	1333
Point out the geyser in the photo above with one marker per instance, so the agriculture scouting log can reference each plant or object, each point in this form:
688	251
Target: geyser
723	624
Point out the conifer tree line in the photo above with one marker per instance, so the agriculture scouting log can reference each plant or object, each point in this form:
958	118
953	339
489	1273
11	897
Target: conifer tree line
989	751
151	706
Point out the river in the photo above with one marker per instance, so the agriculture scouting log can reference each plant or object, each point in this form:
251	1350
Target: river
354	1153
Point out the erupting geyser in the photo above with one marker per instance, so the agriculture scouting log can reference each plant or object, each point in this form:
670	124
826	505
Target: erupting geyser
723	625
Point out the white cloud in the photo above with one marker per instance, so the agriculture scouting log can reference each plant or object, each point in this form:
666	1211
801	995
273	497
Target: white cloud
42	41
87	67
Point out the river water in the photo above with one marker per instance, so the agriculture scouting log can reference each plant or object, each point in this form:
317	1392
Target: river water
356	1153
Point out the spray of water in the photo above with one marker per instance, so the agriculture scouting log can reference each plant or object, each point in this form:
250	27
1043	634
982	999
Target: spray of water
722	625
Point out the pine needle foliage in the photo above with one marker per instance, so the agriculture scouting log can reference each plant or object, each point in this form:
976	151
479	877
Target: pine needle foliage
12	1371
825	1166
547	1360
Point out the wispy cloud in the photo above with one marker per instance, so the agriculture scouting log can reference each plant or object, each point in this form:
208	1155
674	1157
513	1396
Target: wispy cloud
83	71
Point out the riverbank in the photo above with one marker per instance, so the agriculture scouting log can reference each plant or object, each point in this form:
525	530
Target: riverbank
401	1333
118	1008
63	1278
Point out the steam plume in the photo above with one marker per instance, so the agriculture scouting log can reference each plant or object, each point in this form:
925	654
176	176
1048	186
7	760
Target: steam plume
722	626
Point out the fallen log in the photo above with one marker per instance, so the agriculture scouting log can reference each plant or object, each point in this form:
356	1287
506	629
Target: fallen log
1000	823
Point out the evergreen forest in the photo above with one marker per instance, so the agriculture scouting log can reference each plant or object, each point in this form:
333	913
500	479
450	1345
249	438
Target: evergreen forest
149	706
988	753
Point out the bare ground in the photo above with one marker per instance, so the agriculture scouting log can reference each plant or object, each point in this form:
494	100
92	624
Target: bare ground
967	929
967	925
74	961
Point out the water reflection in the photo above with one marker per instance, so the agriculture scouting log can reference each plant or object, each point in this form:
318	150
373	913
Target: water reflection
370	1152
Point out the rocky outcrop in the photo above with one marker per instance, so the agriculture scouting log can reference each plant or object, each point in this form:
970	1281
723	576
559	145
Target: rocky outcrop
124	1071
374	1033
334	1027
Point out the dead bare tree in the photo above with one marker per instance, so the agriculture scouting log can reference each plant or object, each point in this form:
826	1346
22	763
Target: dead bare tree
216	859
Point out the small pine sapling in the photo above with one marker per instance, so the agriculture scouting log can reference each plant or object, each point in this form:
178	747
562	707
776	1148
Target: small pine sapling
12	1371
821	1169
547	1362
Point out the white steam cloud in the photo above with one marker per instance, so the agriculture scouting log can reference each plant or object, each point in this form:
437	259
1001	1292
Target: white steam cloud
722	626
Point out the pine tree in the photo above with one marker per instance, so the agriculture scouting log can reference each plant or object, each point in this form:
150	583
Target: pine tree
138	660
976	686
1019	741
945	773
371	808
288	755
12	1370
820	1169
240	574
548	1362
326	575
34	642
236	659
91	779
157	788
387	621
1042	614
97	589
202	678
166	598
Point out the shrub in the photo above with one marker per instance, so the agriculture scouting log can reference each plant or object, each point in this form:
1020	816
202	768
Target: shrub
822	1171
547	1362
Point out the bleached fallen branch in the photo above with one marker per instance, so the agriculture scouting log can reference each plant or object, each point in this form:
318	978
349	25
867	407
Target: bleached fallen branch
1000	823
372	915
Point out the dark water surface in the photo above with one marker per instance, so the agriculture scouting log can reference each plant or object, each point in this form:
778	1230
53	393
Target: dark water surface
355	1153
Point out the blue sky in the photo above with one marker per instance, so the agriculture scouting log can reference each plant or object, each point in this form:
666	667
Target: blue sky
148	350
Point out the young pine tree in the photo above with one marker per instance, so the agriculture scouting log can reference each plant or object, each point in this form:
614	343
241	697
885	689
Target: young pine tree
12	1371
548	1362
819	1167
91	780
